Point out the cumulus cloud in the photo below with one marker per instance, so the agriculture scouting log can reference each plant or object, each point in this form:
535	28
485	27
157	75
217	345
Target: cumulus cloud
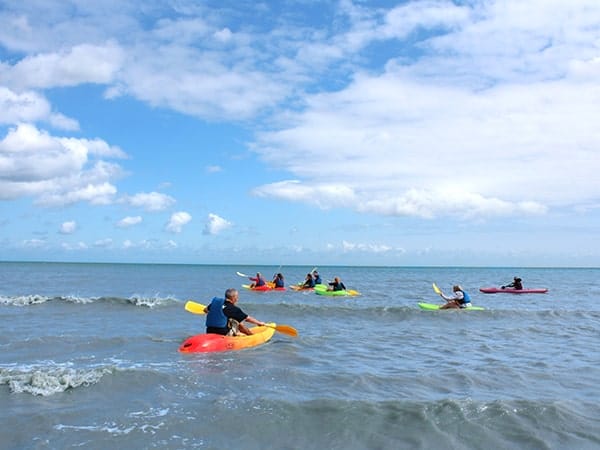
129	221
68	227
83	63
150	201
103	243
177	221
474	128
216	224
57	171
77	246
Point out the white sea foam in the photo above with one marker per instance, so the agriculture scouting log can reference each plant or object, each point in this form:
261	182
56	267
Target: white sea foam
151	302
46	381
24	300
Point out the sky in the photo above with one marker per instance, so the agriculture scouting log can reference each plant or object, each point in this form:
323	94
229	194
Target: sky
301	132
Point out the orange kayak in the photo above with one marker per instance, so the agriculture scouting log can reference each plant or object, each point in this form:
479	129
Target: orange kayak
208	342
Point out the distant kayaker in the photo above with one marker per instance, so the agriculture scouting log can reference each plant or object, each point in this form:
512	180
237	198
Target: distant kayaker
225	318
309	282
278	281
317	277
460	299
257	281
336	285
516	284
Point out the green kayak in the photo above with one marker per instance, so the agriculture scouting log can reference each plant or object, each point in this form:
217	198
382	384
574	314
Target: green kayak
432	307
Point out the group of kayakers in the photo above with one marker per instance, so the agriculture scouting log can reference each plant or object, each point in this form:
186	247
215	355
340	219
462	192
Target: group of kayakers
225	318
312	279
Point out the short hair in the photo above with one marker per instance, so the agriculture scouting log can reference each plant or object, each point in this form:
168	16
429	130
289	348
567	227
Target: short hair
230	293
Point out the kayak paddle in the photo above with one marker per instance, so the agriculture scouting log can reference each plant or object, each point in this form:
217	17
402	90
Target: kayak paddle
437	289
242	274
198	308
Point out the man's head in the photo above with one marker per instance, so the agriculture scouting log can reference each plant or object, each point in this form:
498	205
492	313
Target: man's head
232	295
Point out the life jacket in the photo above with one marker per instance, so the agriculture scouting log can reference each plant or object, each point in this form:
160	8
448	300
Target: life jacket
216	317
260	282
466	298
279	283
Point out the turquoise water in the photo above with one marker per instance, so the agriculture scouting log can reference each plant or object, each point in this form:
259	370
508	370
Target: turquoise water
89	359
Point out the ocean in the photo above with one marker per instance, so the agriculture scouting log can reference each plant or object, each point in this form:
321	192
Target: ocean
89	359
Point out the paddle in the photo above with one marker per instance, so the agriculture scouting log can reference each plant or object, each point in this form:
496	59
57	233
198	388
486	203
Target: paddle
198	308
437	289
242	274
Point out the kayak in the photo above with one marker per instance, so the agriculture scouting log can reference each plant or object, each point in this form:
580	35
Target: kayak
432	306
264	287
321	289
209	342
496	290
295	287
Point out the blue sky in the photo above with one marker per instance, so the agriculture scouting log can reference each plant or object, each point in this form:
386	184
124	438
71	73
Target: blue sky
301	132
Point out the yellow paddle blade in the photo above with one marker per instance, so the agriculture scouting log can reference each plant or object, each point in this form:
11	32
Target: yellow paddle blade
353	292
285	329
195	308
436	289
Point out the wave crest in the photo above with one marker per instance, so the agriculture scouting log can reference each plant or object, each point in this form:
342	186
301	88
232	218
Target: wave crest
48	381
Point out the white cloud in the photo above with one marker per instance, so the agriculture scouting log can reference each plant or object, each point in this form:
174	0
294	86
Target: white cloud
324	195
103	243
369	248
55	170
83	63
177	221
216	224
78	246
213	169
68	227
33	243
129	221
460	135
150	201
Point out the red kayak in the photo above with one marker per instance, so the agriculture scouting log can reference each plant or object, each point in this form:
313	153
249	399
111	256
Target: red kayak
204	343
264	287
497	290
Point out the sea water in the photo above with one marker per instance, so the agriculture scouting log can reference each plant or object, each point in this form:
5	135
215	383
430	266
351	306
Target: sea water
88	359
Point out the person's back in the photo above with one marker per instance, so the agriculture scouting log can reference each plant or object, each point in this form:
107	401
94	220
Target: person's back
279	283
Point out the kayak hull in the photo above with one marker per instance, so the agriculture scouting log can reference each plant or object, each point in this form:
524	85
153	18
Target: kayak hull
300	288
321	289
262	288
497	290
434	307
208	342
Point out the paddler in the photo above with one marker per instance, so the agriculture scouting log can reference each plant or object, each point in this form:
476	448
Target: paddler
460	299
225	318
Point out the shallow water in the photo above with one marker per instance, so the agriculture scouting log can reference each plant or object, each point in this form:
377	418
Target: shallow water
89	358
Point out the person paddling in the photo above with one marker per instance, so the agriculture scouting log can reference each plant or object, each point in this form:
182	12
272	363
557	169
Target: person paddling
278	281
257	281
460	299
336	285
516	284
225	318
